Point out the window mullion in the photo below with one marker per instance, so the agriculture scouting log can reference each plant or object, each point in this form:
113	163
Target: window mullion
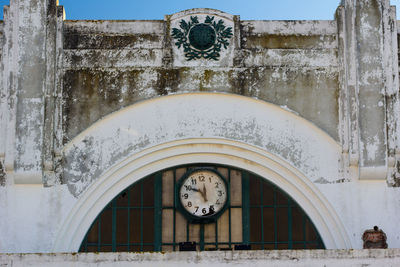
245	207
157	211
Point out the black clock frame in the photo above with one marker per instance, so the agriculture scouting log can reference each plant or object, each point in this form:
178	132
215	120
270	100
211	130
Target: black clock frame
189	216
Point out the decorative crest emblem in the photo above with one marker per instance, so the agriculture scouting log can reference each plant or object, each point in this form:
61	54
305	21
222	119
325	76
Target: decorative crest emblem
202	40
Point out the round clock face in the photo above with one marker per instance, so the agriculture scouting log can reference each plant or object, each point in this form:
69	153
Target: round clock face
203	193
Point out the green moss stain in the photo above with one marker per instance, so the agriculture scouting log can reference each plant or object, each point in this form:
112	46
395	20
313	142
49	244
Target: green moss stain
91	94
205	79
168	80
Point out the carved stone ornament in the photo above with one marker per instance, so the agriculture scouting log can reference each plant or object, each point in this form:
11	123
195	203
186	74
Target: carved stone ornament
374	238
202	40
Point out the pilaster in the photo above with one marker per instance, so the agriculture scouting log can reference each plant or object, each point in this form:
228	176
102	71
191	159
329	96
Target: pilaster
29	81
369	87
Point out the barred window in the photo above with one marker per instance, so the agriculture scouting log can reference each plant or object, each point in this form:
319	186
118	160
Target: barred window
144	217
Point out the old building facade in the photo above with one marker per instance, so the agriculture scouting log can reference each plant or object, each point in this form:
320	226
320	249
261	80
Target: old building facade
101	122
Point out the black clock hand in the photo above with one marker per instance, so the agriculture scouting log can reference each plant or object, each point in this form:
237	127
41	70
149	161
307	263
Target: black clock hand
201	192
204	192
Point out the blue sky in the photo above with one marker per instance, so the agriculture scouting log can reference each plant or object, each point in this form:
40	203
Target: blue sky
156	9
247	9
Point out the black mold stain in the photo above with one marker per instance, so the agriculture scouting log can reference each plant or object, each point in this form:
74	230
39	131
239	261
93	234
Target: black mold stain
2	174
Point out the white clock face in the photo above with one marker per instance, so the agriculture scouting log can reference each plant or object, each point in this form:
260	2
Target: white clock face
203	193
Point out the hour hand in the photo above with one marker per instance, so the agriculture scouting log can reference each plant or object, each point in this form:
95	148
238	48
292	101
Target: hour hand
201	192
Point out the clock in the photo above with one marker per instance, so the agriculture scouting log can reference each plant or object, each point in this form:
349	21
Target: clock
203	195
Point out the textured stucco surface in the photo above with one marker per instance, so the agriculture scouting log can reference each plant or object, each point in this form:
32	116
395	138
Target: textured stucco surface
331	87
298	258
200	115
109	65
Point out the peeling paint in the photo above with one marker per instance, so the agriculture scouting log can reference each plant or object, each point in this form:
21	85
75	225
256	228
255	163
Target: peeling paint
197	116
322	180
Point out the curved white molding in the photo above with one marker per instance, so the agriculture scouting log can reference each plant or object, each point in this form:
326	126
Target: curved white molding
200	127
208	11
218	151
199	115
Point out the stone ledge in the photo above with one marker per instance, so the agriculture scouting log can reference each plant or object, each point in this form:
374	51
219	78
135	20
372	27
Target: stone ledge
366	257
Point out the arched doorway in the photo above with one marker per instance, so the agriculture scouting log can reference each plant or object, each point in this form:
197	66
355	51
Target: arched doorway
145	217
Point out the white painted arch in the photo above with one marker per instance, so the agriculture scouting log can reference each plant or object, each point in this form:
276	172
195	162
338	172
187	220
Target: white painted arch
184	140
189	151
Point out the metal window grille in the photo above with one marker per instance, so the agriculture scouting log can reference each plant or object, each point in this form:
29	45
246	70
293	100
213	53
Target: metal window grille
144	217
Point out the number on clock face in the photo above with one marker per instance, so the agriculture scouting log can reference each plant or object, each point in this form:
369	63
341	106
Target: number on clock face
203	193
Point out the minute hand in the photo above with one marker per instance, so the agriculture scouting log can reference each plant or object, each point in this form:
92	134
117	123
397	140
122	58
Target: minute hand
198	190
201	192
204	194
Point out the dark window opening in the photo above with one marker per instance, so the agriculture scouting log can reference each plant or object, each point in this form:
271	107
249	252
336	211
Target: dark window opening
144	217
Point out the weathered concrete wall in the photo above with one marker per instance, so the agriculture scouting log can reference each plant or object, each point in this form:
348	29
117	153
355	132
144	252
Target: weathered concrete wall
112	64
31	216
369	88
34	214
284	258
28	75
200	115
3	97
61	77
27	84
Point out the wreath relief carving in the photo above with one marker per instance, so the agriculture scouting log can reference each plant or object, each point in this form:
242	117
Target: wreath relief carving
202	40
